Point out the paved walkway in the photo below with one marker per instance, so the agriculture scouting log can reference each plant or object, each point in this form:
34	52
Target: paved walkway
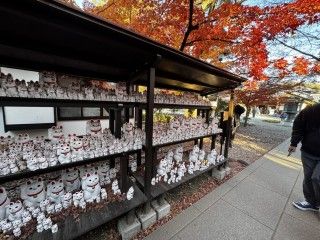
253	205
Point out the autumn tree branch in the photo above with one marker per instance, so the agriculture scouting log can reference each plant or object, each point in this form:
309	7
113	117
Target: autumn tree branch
308	35
190	27
190	43
298	50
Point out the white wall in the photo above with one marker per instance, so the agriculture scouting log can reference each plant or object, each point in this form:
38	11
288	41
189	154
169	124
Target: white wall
21	74
28	115
1	122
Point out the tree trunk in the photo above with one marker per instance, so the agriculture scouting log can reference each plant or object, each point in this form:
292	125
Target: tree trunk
247	116
190	27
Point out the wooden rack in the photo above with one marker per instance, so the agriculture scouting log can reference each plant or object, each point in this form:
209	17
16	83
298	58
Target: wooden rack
49	35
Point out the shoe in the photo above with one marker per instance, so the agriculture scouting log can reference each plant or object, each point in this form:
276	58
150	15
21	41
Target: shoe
305	206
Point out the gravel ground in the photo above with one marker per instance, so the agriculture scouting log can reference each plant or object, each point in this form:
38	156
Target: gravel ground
250	143
253	141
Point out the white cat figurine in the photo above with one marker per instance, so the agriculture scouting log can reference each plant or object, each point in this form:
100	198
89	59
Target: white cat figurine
71	179
94	127
55	191
91	187
55	133
33	192
103	172
64	153
130	193
15	211
67	200
4	202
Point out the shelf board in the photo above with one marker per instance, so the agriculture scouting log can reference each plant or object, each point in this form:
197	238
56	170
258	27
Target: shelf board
162	187
28	173
72	229
181	141
180	106
46	102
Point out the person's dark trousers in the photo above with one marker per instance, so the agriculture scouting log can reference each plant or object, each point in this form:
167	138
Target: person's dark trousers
311	182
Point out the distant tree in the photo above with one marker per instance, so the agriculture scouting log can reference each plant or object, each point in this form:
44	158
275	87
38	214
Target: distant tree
265	94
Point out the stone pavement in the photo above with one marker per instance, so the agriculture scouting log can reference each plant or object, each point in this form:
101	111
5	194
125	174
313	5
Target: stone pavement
255	204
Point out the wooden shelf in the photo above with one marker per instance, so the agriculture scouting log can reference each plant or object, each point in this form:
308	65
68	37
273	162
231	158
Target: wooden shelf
28	173
182	141
180	106
46	102
162	187
72	229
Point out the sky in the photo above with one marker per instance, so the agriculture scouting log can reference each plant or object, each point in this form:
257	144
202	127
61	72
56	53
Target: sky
264	3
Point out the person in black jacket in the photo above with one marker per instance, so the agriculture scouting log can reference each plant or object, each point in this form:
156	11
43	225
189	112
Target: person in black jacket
306	129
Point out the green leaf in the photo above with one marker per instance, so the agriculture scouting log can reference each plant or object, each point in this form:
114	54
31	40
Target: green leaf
99	3
206	4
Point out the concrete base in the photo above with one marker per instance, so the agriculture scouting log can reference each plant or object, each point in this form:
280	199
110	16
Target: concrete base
161	210
227	170
147	219
128	230
218	174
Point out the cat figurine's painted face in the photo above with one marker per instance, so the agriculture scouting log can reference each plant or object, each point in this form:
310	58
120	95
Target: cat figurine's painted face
15	207
55	187
57	132
34	188
94	126
90	180
23	138
48	78
64	149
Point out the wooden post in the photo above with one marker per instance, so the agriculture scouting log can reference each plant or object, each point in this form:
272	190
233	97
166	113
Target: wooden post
112	129
139	125
213	142
198	114
118	123
229	124
149	132
127	110
155	157
124	161
222	140
111	120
